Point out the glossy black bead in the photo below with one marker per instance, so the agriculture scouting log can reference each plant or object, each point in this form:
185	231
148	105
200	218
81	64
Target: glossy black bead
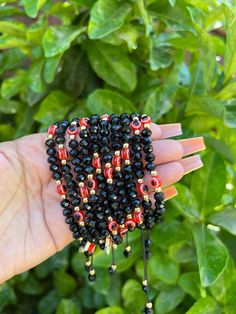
136	139
115	128
107	158
150	166
52	159
150	157
76	202
65	168
67	176
78	169
56	175
137	156
95	147
51	151
122	192
94	129
138	165
93	198
87	160
80	177
118	175
136	202
111	270
128	209
115	137
148	148
104	123
83	134
104	132
146	140
72	193
60	139
116	146
76	234
104	140
84	151
92	278
74	152
128	168
124	115
76	161
70	184
54	167
120	183
73	227
128	177
134	115
125	121
127	253
159	196
137	147
69	220
117	239
88	169
94	138
84	143
65	203
115	205
67	212
50	143
105	149
146	132
126	138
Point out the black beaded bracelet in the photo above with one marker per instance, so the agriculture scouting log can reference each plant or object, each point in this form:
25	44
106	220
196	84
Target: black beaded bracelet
99	166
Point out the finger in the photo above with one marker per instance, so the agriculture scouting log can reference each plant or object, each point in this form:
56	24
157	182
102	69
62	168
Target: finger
172	150
172	172
169	193
162	131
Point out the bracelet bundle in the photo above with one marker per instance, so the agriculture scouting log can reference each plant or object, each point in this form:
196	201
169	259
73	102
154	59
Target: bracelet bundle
99	166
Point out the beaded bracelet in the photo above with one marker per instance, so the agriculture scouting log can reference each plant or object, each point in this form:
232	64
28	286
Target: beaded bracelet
99	166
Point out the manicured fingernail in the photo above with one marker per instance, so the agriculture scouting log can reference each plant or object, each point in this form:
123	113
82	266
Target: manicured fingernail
192	145
191	163
170	192
170	130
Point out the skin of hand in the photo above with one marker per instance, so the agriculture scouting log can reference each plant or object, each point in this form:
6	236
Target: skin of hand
32	226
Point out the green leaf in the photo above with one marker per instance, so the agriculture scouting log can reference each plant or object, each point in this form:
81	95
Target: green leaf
64	283
211	253
32	6
163	268
198	105
35	76
58	39
110	310
220	147
160	52
181	252
48	304
105	101
9	41
186	203
230	49
205	306
190	283
12	85
228	92
67	307
225	219
208	186
32	286
112	65
54	107
8	106
50	68
7	295
230	118
130	291
13	28
141	4
106	17
168	299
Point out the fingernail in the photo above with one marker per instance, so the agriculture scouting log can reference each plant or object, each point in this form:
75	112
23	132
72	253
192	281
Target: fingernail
170	130
191	163
192	145
170	192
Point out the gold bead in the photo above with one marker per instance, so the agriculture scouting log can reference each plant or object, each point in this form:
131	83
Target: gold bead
95	155
117	153
135	118
109	181
58	182
158	189
99	170
73	123
60	146
140	181
76	208
145	282
63	197
88	263
81	184
149	305
127	162
125	145
153	173
109	218
92	192
118	168
114	266
90	176
108	165
147	126
83	127
50	136
146	197
136	132
137	209
81	223
71	137
63	162
92	272
85	200
129	216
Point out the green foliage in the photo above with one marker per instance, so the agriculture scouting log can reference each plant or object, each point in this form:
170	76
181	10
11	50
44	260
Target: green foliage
175	60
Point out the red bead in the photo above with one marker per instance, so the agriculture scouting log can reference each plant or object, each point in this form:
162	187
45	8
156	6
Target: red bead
96	162
135	125
61	189
108	172
105	117
79	216
125	153
92	184
123	231
62	154
52	129
72	130
112	225
116	160
156	181
91	248
145	120
84	192
130	224
138	217
83	122
142	189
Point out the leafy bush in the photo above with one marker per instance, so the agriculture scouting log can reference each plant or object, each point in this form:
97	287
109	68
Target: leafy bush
175	60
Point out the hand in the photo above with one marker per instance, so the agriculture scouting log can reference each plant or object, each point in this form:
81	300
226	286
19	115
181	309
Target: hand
32	226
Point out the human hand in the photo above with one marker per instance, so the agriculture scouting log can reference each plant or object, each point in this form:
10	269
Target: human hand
32	227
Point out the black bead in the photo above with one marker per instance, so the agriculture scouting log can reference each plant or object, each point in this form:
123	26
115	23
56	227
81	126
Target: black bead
95	147
104	132
146	140
104	140
104	123
136	147
150	166
87	160
66	168
70	184
117	239
84	151
120	183
134	115
73	227
146	132
115	128
68	176
93	129
107	158
148	242
76	234
76	202
137	156
126	138
56	175
111	270
67	212
52	159
125	121
60	139
138	165
150	157
84	143
136	139
51	151
83	134
65	203
130	185
76	161
91	277
54	167
136	202
72	193
124	116
116	146
93	198
128	168
88	169
94	138
105	149
74	152
69	220
80	177
159	196
115	205
128	177
148	148
122	192
50	143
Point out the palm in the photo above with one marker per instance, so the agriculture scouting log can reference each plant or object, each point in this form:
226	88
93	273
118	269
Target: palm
32	227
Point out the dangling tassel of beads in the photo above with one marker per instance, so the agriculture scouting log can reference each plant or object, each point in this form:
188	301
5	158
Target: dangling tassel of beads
148	243
148	308
92	272
112	268
127	251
